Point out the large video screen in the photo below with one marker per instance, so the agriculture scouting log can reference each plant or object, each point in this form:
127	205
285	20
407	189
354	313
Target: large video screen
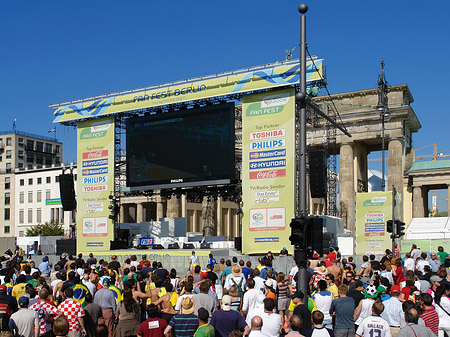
184	148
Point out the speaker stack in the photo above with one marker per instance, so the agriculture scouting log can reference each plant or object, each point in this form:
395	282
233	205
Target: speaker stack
173	246
68	246
188	246
318	173
67	192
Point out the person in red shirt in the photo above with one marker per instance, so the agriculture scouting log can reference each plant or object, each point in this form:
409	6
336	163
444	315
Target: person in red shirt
154	326
331	254
144	258
74	314
429	316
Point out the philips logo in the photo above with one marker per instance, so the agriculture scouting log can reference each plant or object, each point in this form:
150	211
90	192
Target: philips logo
95	180
176	180
268	144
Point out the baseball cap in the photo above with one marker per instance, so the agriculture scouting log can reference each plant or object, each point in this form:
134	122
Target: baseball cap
45	259
106	281
2	288
203	314
269	283
395	289
298	294
23	301
435	278
358	284
226	303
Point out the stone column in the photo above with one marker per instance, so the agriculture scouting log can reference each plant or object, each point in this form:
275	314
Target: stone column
346	186
360	165
219	217
139	212
173	207
418	209
122	214
159	210
395	165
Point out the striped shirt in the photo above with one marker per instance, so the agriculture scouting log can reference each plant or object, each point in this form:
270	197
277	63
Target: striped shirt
282	290
431	319
184	325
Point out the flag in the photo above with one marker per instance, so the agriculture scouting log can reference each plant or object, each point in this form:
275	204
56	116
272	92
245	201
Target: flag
79	293
52	130
14	123
117	293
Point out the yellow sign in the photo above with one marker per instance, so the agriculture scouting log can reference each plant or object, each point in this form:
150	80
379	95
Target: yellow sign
373	210
268	170
95	184
271	76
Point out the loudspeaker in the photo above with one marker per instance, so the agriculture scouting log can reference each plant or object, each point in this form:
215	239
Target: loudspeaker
67	192
314	234
318	173
188	246
328	241
118	244
157	246
205	245
173	246
68	246
238	243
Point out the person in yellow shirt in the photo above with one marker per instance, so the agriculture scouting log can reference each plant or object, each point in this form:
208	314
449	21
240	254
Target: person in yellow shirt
19	289
332	287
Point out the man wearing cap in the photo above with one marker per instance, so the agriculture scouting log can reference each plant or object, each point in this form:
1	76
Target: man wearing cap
106	299
45	268
186	323
235	278
301	310
24	323
393	310
204	329
357	292
10	301
226	320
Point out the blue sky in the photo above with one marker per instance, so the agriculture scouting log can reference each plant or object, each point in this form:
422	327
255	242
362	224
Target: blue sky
56	51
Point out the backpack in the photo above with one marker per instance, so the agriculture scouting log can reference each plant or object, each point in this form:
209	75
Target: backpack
241	292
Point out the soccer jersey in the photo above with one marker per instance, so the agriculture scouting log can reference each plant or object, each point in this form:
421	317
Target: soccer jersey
72	310
374	326
44	310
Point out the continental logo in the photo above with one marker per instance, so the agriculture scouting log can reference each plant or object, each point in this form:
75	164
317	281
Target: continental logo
97	130
375	201
270	104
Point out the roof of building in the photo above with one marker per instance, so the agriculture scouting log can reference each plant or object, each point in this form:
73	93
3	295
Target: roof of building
430	165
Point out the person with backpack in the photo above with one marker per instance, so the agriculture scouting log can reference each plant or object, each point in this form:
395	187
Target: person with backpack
237	278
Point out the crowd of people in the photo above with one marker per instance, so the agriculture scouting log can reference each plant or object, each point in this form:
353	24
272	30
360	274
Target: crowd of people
230	297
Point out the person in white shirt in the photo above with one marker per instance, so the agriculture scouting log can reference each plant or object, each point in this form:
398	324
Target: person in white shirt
422	263
250	296
292	274
259	281
271	321
374	325
323	299
256	326
410	263
415	252
235	278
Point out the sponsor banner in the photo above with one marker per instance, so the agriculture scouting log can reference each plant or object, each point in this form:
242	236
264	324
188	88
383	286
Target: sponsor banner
95	148
98	162
373	210
268	185
239	81
267	154
92	172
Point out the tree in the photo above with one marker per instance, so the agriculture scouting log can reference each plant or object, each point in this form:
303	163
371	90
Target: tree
52	228
442	214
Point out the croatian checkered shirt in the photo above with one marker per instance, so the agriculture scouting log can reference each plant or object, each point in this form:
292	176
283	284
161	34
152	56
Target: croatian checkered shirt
49	309
72	310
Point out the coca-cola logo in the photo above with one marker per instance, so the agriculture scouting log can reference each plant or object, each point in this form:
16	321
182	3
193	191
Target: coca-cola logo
95	154
268	174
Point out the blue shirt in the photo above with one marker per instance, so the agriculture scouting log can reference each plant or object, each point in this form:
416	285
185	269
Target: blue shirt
345	309
45	268
184	325
224	322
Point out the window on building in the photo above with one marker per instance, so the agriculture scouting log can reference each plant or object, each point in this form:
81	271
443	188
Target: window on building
1	142
21	214
39	159
20	166
30	158
48	180
7	183
7	214
21	198
39	181
39	196
56	179
0	157
7	198
57	214
30	215
48	148
6	229
20	154
40	146
75	177
30	197
48	194
30	166
48	161
20	141
56	148
8	154
8	141
30	145
52	214
8	167
57	161
21	234
30	181
38	215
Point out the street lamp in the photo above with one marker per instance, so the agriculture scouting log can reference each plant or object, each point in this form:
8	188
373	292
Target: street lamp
385	115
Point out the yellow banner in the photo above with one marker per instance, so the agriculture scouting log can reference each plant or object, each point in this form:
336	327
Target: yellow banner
271	76
373	210
268	170
95	183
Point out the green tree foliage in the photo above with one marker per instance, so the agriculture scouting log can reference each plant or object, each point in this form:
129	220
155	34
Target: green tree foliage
52	228
442	214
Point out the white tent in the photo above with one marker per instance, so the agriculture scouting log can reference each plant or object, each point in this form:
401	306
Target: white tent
428	228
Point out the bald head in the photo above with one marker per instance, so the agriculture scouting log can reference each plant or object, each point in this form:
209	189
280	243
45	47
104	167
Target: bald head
43	294
256	323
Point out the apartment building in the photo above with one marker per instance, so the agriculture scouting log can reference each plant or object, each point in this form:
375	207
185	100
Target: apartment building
20	151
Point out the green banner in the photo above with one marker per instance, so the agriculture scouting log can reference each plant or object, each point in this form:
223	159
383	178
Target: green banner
95	183
372	212
268	170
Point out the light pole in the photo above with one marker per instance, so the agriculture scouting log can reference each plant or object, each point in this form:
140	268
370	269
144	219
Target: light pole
383	110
